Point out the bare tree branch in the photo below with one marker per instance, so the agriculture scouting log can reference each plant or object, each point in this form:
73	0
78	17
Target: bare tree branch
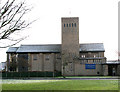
16	41
11	20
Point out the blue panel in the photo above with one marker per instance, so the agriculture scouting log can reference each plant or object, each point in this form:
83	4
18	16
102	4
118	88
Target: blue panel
90	66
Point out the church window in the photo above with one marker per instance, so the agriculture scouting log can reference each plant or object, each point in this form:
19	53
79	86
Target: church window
69	25
64	25
75	24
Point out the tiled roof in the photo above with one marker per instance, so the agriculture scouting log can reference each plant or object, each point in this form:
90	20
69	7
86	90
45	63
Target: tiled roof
55	48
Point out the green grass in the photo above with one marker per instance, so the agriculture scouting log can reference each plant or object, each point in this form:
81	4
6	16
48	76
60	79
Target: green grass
62	85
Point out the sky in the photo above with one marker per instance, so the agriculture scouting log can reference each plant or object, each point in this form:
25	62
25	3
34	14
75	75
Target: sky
98	23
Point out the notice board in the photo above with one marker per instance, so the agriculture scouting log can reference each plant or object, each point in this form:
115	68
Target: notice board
90	66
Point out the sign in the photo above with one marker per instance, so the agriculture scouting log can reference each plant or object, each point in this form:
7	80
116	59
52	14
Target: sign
90	66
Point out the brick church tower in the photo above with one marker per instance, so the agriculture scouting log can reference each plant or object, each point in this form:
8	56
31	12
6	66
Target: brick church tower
70	44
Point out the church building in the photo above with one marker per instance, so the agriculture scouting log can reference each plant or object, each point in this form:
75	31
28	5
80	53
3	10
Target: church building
71	58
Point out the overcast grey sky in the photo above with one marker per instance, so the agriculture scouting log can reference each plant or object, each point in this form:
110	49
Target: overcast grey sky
98	23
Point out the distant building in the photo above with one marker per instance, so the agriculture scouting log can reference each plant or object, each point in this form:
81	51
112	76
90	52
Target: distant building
70	57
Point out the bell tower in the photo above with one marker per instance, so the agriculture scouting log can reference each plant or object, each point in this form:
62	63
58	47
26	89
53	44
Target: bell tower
70	44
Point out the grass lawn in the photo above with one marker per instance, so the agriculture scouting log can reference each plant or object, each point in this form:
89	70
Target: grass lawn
60	85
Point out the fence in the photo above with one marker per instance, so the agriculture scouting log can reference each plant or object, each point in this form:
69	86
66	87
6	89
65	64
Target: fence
29	74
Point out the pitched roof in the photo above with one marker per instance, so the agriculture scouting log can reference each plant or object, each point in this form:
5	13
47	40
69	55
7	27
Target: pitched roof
55	48
40	48
92	47
12	49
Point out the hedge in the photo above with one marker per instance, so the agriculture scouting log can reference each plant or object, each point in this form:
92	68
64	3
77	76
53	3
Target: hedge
29	74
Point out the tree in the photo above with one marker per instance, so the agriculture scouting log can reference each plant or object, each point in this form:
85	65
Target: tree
12	22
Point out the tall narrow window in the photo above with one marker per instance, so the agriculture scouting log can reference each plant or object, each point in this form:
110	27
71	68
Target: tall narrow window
75	24
69	25
64	25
